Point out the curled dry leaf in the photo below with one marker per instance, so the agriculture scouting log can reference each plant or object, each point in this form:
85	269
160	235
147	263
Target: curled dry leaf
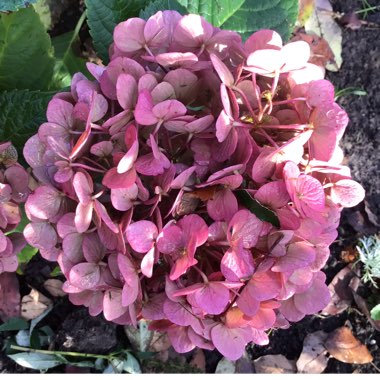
341	295
323	24
275	364
54	287
313	357
343	346
306	8
140	338
34	304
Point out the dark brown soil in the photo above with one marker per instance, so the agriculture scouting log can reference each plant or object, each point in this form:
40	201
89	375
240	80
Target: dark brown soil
75	330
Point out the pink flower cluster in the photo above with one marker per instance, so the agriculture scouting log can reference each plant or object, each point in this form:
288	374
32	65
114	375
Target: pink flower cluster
14	181
141	173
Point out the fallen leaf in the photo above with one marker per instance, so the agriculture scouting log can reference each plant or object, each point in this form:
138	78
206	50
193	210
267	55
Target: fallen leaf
54	287
320	52
305	9
34	304
275	364
198	360
313	356
341	295
226	366
244	364
362	303
140	338
343	346
9	296
322	23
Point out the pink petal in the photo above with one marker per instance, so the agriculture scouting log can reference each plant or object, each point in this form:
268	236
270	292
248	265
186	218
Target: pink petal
347	193
223	71
85	275
83	187
126	91
229	342
263	39
83	216
213	298
143	111
44	203
122	199
169	109
40	235
180	340
112	304
129	35
142	235
223	206
114	180
299	255
237	265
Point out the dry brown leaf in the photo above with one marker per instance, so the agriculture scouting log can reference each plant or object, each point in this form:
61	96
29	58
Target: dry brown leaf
323	24
343	346
160	342
275	364
313	357
9	296
54	287
341	295
34	304
320	52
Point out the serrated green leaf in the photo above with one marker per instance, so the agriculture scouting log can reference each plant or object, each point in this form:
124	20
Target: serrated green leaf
22	111
262	212
14	324
216	12
26	254
159	5
242	16
35	360
279	15
104	15
375	313
26	54
14	5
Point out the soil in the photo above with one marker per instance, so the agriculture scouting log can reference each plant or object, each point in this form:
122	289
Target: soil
75	330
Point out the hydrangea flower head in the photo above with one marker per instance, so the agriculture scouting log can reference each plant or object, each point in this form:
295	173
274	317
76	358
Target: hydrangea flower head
141	174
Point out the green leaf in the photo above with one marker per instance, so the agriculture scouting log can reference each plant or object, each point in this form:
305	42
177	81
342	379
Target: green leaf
35	360
279	15
131	365
26	255
14	324
14	5
242	16
22	111
159	5
43	10
104	15
26	60
216	12
68	63
375	313
56	272
262	212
